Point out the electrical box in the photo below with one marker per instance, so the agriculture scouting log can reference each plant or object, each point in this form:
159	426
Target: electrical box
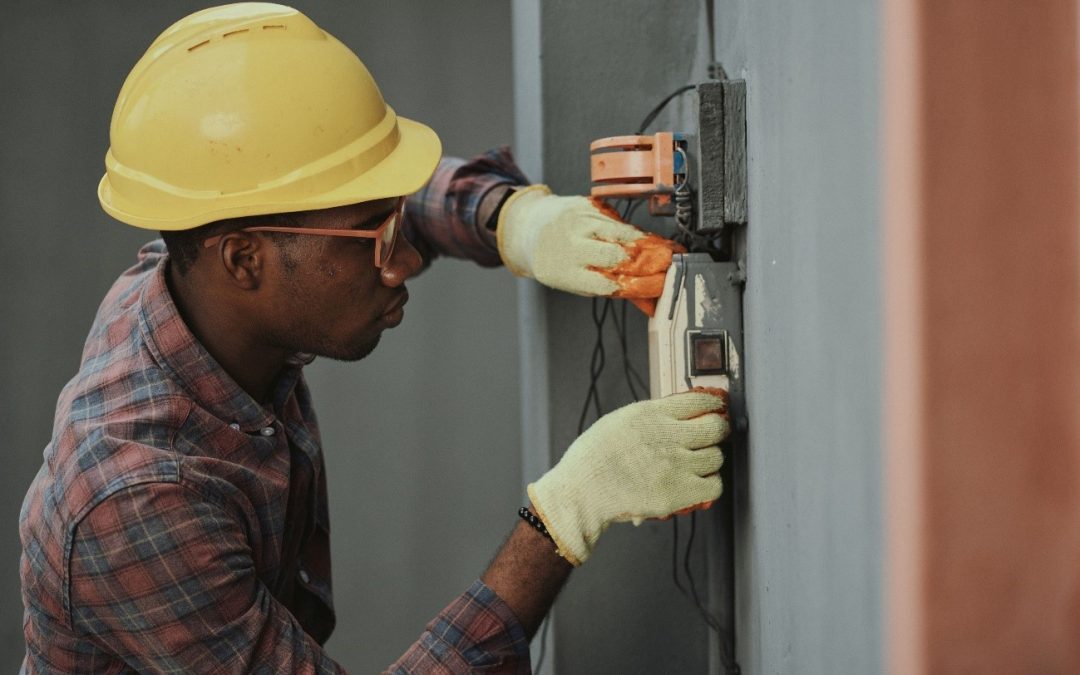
696	333
695	337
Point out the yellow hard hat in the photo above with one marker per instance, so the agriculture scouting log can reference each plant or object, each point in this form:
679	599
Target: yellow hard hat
249	109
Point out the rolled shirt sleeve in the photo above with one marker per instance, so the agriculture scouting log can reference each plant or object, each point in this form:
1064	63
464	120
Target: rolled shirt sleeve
441	219
477	632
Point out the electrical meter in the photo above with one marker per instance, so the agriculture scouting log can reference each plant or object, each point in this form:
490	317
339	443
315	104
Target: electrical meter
695	334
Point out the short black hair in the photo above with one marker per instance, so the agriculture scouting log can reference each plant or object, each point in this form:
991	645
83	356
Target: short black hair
184	245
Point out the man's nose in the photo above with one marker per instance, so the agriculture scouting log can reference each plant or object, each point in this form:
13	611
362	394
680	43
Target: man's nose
404	262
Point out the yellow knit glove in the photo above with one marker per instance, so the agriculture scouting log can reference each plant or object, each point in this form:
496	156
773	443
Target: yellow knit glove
647	460
562	241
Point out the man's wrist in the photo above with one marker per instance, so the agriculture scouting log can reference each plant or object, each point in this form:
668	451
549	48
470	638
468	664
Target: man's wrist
527	574
487	213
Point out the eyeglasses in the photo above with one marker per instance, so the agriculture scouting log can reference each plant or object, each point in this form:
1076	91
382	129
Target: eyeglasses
385	235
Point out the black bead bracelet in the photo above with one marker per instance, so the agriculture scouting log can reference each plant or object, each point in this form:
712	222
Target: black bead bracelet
534	520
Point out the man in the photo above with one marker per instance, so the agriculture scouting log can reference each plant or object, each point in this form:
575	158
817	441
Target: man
179	522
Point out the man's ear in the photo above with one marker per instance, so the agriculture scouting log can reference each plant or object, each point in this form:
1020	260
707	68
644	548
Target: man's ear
243	258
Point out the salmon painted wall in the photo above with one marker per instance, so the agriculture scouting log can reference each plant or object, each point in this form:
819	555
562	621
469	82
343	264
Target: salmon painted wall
983	336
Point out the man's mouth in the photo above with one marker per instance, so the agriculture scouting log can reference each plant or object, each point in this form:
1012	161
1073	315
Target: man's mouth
395	312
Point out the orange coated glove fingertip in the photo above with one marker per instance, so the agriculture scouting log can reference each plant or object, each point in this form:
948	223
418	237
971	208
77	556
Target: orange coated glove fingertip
606	209
703	506
632	286
715	391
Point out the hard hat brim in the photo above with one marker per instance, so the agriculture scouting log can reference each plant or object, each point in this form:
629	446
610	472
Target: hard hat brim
403	171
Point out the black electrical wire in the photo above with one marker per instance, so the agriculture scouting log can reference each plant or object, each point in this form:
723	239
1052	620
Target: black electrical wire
730	665
675	556
600	309
633	377
629	212
706	616
660	106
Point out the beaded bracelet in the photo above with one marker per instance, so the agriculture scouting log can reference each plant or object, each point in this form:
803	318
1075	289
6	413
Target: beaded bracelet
534	520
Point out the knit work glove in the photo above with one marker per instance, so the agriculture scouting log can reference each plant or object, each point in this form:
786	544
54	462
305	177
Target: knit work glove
649	459
581	245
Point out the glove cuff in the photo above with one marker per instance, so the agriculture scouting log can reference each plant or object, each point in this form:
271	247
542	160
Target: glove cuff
564	528
515	245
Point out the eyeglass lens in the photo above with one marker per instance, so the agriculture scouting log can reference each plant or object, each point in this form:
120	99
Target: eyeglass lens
389	236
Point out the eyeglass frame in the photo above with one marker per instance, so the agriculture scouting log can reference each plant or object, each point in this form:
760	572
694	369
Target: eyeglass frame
376	234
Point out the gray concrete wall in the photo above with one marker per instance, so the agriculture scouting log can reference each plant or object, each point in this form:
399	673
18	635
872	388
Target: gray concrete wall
809	555
421	438
809	529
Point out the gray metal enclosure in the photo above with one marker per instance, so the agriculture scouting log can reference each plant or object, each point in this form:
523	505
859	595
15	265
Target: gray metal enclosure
809	518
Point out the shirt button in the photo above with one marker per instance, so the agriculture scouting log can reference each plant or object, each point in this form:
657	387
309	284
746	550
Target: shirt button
234	426
267	431
304	576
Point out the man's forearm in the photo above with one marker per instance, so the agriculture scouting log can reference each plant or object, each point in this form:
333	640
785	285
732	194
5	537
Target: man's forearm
527	574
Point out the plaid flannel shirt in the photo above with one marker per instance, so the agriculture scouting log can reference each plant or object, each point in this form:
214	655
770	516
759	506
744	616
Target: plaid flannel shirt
177	525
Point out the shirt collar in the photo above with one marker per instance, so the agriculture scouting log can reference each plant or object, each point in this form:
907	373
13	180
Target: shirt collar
184	358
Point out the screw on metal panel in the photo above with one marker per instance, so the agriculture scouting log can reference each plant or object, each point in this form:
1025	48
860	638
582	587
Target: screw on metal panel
737	277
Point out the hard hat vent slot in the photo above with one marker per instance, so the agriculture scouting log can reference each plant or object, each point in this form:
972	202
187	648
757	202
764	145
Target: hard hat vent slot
276	26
